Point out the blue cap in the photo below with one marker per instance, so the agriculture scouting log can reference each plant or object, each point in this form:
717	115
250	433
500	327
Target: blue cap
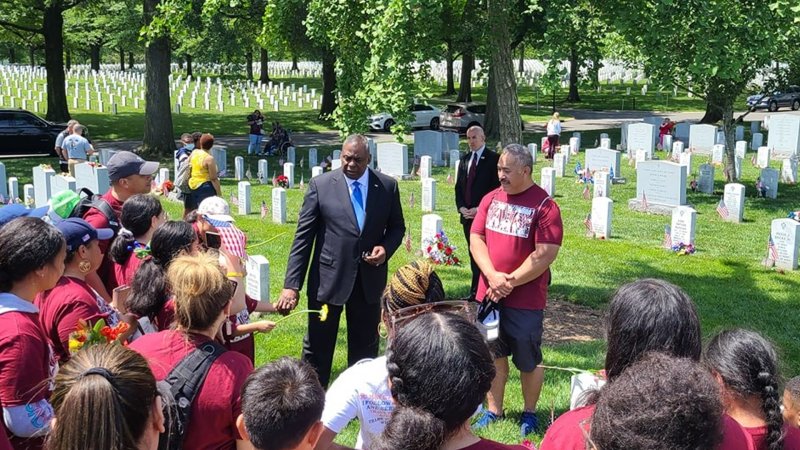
14	211
79	232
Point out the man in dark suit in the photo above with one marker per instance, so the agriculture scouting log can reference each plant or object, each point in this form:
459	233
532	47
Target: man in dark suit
477	175
353	220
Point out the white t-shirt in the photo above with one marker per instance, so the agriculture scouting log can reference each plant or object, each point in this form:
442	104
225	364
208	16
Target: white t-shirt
553	127
360	392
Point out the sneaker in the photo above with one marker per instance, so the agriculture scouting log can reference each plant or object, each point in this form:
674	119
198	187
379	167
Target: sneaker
529	423
485	418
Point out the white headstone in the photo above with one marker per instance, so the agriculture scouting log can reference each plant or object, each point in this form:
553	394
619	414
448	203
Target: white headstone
220	155
428	195
263	171
705	183
601	217
336	163
291	155
739	133
431	225
3	186
758	141
258	278
393	159
684	220
245	192
602	184
312	157
762	160
455	155
373	151
641	137
769	177
663	182
92	177
427	142
279	205
548	182
61	183
642	155
316	171
605	142
574	143
238	168
601	158
720	139
717	153
29	193
666	144
702	138
741	149
559	164
737	166
425	167
13	188
682	131
288	172
786	237
42	179
789	171
755	126
784	134
685	159
677	148
734	201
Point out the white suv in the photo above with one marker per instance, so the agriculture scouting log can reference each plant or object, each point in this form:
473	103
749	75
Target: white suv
424	116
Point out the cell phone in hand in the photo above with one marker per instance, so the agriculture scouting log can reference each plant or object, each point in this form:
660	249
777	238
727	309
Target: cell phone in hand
119	298
213	240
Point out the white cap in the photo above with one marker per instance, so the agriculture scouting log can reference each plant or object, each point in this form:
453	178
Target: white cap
215	208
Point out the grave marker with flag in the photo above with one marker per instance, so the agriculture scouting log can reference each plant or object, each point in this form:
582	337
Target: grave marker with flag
722	209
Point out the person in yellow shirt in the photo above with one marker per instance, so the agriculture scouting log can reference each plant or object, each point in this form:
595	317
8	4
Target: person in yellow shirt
204	181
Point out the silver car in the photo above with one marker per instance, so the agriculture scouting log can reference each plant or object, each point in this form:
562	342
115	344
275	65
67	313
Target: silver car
460	116
789	97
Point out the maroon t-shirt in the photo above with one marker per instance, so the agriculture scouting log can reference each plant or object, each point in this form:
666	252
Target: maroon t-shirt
486	444
513	225
245	344
123	273
98	220
62	307
218	404
26	369
758	438
568	431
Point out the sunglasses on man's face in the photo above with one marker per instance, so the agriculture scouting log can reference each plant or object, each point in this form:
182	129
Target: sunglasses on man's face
402	316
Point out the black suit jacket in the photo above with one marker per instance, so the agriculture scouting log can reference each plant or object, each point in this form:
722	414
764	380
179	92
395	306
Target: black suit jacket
328	224
485	179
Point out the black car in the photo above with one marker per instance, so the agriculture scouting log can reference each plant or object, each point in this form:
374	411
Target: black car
786	97
25	133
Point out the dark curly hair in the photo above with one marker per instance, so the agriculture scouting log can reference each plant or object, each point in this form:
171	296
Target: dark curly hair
659	403
748	365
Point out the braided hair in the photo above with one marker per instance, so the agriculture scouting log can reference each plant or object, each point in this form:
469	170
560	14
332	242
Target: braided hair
748	365
413	284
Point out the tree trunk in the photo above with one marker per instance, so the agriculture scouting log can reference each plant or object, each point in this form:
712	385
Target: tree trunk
249	61
94	54
189	71
53	26
130	60
12	55
32	55
465	87
504	81
714	112
264	57
491	123
328	84
121	59
521	68
451	86
158	133
728	127
295	68
573	95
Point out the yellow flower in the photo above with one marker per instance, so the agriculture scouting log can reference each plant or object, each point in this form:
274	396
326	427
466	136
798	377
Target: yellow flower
74	346
323	313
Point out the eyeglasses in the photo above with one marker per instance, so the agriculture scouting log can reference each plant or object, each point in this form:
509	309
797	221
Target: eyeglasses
404	315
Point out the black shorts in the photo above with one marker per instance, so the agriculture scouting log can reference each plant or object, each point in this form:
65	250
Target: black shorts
520	337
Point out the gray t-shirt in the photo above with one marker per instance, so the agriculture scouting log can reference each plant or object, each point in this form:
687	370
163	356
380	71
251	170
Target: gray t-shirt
77	147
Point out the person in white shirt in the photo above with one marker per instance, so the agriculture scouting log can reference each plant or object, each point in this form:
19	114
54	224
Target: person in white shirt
553	133
362	392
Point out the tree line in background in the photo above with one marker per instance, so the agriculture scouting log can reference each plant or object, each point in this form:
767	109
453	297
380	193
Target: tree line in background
370	49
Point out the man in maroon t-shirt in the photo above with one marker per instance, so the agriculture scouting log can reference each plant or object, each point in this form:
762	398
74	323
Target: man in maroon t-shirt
129	175
515	237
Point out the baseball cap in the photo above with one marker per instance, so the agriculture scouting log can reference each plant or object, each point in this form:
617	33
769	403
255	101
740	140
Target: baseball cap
79	232
61	205
124	164
15	211
215	208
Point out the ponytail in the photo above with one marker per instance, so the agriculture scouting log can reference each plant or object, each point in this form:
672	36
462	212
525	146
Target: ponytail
771	406
122	246
136	219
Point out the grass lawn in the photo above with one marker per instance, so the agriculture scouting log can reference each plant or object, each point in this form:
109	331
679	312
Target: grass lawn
724	277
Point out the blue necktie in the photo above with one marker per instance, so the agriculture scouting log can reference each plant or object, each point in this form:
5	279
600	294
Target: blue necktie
358	205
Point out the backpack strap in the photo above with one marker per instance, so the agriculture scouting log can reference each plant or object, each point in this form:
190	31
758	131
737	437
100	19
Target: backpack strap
105	208
185	381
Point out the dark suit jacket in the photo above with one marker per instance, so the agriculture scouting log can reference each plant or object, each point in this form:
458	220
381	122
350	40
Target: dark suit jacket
328	224
485	179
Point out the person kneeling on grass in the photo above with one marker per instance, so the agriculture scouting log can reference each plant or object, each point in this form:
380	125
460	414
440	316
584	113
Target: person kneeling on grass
281	406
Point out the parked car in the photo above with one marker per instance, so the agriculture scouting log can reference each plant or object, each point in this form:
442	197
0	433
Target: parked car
789	96
23	132
460	116
424	116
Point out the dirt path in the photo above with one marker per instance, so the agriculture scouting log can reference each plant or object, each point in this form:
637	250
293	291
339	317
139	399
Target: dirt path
568	322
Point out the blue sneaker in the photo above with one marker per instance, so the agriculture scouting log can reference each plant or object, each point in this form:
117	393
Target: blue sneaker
529	423
485	418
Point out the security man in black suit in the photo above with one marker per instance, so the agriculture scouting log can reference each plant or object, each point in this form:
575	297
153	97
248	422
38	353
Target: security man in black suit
352	219
477	175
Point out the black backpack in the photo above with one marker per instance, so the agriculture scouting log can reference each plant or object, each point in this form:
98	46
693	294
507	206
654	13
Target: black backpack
181	387
89	200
